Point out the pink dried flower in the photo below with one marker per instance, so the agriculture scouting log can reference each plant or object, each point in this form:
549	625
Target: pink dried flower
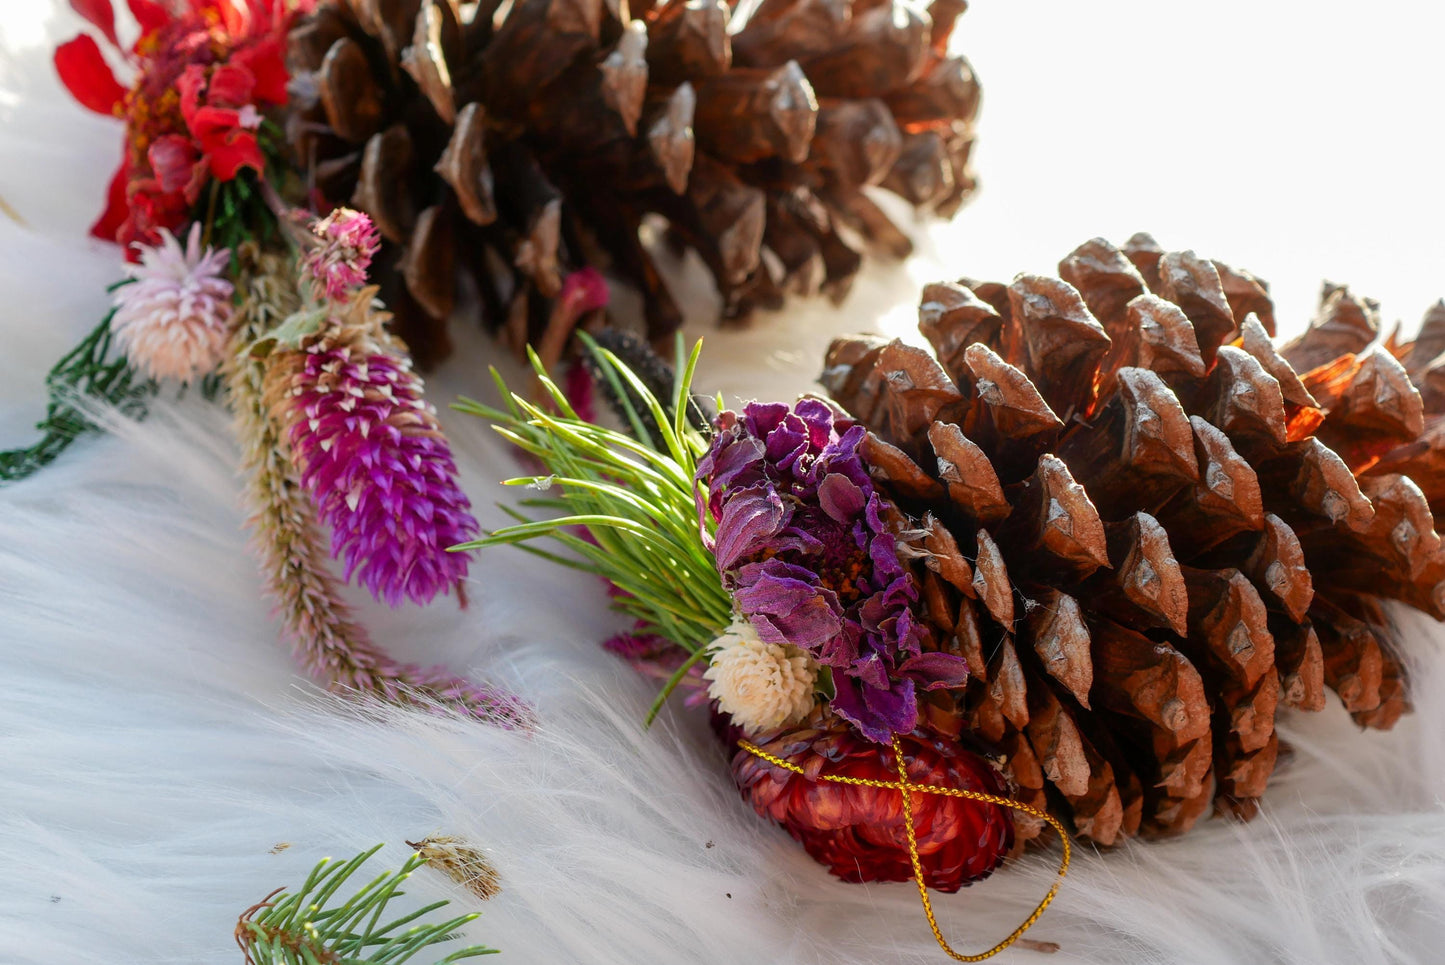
657	657
583	291
171	322
347	243
375	461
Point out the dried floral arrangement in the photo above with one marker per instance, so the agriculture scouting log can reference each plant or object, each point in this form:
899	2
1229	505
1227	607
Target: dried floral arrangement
477	136
234	289
1064	570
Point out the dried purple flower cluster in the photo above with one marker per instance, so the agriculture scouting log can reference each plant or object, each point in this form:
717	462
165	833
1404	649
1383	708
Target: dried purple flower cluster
382	474
803	547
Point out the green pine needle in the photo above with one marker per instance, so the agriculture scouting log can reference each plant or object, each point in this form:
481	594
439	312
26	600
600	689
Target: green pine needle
87	372
304	929
633	495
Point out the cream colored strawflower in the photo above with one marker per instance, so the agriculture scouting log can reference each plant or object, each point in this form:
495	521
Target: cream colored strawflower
171	321
760	685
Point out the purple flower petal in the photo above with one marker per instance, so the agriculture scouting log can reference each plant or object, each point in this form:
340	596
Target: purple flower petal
749	519
934	671
840	497
734	459
871	670
878	714
818	416
762	418
794	607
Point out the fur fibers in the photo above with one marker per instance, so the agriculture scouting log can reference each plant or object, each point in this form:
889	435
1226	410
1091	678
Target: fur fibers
158	748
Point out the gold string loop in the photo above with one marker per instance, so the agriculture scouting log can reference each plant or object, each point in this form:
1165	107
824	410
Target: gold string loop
907	789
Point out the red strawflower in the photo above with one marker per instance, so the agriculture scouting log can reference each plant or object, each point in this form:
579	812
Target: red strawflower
858	832
203	70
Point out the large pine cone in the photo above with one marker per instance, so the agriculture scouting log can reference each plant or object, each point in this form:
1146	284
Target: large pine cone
514	152
1148	530
858	832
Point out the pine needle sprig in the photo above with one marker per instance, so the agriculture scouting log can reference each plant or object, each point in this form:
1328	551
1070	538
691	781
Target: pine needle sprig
634	497
88	371
305	928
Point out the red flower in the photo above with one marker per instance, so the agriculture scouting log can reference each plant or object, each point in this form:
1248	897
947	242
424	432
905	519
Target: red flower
858	832
228	146
202	69
224	133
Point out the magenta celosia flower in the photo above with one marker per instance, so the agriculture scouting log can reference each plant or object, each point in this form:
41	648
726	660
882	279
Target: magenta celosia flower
379	469
346	243
171	321
802	546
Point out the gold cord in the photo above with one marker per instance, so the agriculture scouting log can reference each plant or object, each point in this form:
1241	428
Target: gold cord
907	789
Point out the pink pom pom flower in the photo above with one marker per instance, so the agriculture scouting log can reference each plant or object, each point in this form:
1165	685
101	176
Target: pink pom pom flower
346	243
171	321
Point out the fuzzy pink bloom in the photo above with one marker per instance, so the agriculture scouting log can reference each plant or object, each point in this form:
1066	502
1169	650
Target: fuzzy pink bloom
171	321
347	243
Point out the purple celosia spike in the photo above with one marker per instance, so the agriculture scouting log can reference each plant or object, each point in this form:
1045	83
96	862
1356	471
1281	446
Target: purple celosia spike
803	547
381	473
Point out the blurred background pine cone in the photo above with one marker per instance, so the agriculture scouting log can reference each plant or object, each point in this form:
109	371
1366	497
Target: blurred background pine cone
500	146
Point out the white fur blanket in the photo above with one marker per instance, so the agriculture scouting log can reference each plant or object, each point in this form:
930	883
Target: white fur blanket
156	745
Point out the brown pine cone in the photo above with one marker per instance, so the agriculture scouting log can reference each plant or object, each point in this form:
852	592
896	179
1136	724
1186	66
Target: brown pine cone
1147	530
512	149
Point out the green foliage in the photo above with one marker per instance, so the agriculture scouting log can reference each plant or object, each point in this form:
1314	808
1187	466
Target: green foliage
633	495
307	928
88	371
235	212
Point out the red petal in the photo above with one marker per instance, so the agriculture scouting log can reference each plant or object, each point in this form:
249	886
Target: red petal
238	150
228	146
173	158
107	227
152	209
87	76
210	125
149	14
231	86
189	84
267	63
100	14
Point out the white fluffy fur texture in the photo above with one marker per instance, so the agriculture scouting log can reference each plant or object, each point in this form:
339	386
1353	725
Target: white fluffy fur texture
155	743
